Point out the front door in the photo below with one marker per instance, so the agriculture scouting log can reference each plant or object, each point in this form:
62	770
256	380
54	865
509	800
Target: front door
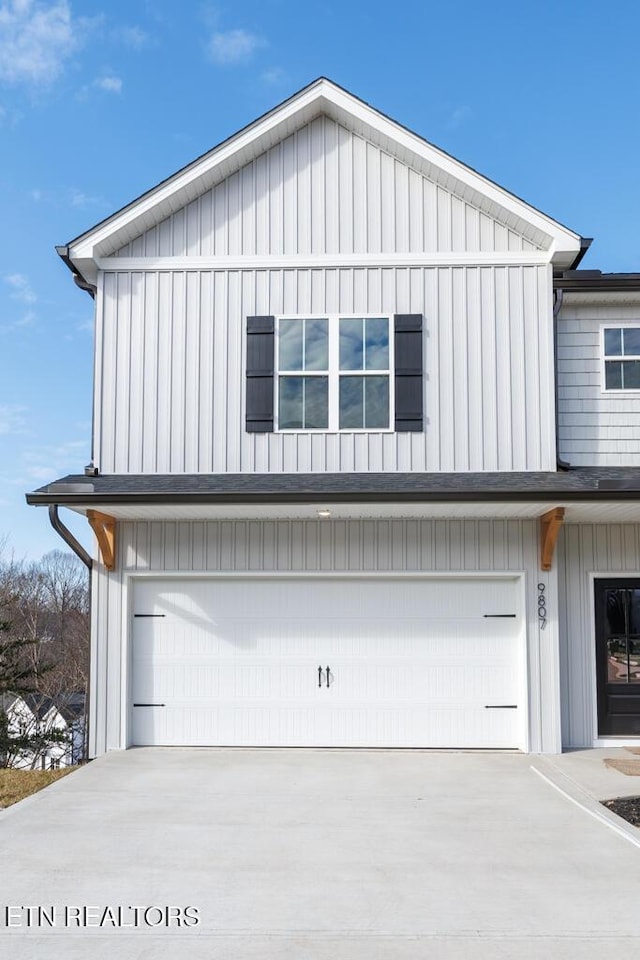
618	656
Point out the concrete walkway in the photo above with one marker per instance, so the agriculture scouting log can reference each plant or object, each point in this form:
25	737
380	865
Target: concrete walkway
322	855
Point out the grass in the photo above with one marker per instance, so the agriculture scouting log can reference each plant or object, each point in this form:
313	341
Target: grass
17	784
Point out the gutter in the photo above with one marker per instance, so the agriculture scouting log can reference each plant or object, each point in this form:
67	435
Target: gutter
78	279
604	491
68	537
80	552
585	243
557	305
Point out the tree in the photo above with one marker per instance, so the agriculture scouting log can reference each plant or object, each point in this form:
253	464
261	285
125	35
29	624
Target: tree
44	650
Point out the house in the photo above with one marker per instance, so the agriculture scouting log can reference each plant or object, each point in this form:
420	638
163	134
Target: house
46	734
365	454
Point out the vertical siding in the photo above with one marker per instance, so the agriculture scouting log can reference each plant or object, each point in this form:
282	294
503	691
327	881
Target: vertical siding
325	190
594	428
172	349
584	549
287	546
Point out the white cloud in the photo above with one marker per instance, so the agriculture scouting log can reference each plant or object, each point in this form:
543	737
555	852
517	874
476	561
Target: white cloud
21	288
11	418
233	46
134	37
109	84
36	39
84	200
46	462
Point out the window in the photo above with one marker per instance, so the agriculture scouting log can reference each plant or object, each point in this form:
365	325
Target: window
333	373
622	358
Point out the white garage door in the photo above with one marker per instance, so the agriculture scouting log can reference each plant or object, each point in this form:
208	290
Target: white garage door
405	662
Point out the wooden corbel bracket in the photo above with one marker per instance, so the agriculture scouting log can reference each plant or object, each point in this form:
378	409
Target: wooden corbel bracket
550	524
104	528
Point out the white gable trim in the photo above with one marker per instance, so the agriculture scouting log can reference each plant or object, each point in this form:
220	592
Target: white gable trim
518	258
323	97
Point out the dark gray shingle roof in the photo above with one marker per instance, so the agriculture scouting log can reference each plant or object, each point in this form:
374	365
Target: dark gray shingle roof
584	483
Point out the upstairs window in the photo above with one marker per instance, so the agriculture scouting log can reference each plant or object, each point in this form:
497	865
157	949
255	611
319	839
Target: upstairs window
334	373
622	358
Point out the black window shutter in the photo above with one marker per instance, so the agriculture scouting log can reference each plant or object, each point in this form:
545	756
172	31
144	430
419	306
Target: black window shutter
260	362
408	372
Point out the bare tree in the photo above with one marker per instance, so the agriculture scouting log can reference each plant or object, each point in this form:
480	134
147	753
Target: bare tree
44	645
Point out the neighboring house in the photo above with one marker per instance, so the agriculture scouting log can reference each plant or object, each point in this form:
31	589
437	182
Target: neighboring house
50	731
339	381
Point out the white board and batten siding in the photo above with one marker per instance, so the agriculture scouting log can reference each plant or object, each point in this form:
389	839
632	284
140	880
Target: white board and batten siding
584	552
392	550
170	380
171	315
595	428
325	190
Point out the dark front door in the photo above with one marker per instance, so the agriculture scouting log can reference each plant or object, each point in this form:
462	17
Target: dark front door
618	656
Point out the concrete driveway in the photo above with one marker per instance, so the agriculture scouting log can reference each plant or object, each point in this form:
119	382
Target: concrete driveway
305	854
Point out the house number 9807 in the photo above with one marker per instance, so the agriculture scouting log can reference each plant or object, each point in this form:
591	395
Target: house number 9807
542	606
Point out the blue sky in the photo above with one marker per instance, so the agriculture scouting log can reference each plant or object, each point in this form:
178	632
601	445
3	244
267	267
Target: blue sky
100	101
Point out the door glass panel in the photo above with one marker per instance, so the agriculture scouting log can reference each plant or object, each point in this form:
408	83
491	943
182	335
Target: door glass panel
617	665
633	650
615	612
634	612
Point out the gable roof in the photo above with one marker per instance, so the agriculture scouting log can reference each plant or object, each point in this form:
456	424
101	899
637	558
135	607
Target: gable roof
322	97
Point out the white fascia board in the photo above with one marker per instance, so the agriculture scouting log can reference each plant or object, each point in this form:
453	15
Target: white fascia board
321	97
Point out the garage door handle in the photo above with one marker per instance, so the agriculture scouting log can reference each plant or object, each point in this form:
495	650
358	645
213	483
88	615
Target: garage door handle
501	706
149	704
500	616
320	673
328	676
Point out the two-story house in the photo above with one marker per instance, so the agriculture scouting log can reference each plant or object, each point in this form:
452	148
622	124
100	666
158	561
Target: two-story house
365	454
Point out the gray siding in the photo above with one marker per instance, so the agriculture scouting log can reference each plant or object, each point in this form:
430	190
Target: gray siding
594	428
170	376
284	546
325	190
585	549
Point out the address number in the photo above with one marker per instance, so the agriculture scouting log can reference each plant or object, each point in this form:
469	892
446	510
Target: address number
542	606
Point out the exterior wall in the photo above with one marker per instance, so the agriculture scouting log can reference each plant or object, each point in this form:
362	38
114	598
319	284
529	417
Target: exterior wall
438	546
583	550
170	376
594	428
324	190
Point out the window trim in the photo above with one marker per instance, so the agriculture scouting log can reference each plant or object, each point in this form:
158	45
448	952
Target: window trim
604	358
333	373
